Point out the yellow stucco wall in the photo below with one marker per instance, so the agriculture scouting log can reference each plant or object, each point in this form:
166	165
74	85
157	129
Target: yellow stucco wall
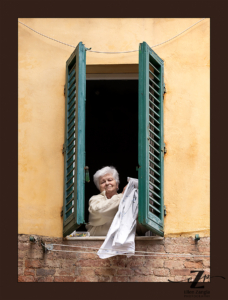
186	113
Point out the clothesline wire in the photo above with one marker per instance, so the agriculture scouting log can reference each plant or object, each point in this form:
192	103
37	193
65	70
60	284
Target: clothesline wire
111	52
129	253
121	250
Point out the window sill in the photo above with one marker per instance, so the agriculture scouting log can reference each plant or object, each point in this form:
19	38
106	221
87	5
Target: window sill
102	238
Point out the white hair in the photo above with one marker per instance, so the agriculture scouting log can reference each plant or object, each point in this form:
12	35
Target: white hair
106	170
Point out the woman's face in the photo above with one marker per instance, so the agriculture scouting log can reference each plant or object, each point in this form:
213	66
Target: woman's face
107	183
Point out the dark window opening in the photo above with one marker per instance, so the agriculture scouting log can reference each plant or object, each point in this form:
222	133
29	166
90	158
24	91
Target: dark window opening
111	131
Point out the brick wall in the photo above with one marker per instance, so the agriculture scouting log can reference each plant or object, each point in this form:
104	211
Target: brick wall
36	266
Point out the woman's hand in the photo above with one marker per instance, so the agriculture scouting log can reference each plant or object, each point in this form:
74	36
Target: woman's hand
124	189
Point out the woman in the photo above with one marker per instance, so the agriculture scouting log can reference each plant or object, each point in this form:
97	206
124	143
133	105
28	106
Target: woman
103	207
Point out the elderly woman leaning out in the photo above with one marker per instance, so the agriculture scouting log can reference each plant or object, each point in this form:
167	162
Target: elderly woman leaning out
103	207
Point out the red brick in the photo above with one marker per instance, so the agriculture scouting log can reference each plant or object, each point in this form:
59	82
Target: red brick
29	272
154	263
20	263
117	261
180	272
20	271
119	279
23	238
204	249
141	278
135	261
180	248
45	272
141	245
35	254
86	279
137	278
142	271
162	279
51	255
206	263
56	241
24	246
86	271
204	241
88	256
125	272
193	265
68	264
22	254
26	279
64	279
59	247
64	255
189	259
105	271
93	263
161	272
173	264
34	247
104	278
32	263
186	241
64	272
207	271
51	263
154	247
178	240
92	244
45	279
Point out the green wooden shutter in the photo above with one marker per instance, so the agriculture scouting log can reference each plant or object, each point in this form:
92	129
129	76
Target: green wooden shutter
74	146
151	142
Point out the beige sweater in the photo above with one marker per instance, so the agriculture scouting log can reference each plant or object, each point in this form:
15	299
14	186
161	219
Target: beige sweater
101	213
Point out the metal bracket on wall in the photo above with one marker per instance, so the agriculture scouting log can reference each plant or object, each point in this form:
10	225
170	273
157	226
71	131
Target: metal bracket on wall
197	238
46	247
32	239
49	247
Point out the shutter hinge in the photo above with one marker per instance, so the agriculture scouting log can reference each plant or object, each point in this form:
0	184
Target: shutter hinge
61	212
86	49
164	149
164	89
164	210
64	149
64	90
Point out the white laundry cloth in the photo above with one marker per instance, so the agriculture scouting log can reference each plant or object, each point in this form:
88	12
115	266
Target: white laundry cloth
121	234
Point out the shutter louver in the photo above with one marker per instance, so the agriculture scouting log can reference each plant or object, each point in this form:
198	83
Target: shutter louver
74	147
151	143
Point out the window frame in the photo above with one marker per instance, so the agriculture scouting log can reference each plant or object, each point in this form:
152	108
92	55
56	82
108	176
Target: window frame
112	72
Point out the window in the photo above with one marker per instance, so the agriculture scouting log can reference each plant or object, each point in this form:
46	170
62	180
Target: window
147	140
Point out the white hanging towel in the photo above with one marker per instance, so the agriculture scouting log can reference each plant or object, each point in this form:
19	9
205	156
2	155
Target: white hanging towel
121	234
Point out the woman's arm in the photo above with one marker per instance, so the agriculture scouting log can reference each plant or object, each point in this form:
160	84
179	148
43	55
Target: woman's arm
124	189
98	205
